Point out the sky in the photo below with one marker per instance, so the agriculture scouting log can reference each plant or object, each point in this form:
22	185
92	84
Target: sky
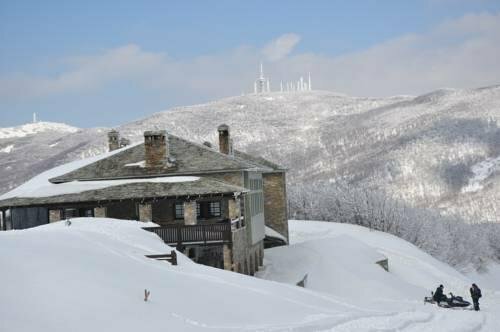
104	63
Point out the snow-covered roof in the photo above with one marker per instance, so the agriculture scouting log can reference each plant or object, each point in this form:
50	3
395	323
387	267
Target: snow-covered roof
190	159
40	190
138	189
41	181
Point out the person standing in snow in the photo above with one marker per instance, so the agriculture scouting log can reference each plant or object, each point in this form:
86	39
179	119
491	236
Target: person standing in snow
438	294
475	293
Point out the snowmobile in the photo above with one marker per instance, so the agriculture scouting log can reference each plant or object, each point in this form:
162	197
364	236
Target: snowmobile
449	302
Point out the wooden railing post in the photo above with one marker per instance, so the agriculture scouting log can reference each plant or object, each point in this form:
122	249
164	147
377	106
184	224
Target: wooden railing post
179	236
203	230
174	257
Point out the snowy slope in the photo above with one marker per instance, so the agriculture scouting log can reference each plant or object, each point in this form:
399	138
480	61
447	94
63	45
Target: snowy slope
35	128
91	276
438	150
340	260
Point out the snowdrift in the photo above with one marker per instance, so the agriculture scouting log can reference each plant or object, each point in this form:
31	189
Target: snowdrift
340	259
91	276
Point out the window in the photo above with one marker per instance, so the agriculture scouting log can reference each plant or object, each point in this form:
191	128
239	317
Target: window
179	210
88	212
214	209
70	213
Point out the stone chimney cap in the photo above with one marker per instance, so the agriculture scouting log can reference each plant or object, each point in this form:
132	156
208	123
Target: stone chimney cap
223	127
155	133
113	133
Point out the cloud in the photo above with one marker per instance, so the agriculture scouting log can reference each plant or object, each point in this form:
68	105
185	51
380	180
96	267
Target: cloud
459	53
86	73
280	47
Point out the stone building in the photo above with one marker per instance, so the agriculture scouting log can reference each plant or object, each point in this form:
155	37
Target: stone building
214	205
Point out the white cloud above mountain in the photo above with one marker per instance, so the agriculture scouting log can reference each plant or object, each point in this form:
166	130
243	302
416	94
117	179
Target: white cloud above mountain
281	47
459	53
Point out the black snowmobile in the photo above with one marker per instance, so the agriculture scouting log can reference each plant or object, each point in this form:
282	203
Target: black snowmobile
448	302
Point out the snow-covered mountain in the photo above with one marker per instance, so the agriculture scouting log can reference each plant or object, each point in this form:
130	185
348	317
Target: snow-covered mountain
35	128
29	149
439	150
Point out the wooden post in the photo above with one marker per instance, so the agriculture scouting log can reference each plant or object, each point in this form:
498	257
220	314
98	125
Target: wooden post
204	233
179	236
2	225
174	257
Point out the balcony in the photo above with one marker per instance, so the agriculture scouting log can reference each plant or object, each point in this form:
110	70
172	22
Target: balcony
179	234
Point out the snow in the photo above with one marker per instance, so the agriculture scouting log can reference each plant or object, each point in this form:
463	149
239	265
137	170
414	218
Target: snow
41	181
141	163
35	128
482	171
40	186
339	260
73	187
7	149
91	276
272	233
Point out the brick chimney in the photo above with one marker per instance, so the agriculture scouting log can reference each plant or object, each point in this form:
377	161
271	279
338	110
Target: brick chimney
113	140
224	139
156	148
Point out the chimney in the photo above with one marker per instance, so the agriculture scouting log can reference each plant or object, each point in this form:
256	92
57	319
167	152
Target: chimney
113	140
224	139
156	148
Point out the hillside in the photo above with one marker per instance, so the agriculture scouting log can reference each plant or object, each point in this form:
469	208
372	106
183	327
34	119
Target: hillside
439	150
91	276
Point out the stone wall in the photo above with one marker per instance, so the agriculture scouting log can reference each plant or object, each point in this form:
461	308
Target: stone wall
55	215
100	212
246	258
145	212
190	213
275	202
240	250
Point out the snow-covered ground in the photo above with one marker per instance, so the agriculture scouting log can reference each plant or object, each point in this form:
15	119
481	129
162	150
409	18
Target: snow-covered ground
91	276
339	259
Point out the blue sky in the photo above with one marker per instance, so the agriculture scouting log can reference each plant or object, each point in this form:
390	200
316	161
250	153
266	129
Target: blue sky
103	63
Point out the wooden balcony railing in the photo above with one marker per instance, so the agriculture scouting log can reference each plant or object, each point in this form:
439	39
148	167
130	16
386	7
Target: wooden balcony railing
178	234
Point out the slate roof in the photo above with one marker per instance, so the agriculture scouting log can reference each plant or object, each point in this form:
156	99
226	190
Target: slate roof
138	190
189	159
